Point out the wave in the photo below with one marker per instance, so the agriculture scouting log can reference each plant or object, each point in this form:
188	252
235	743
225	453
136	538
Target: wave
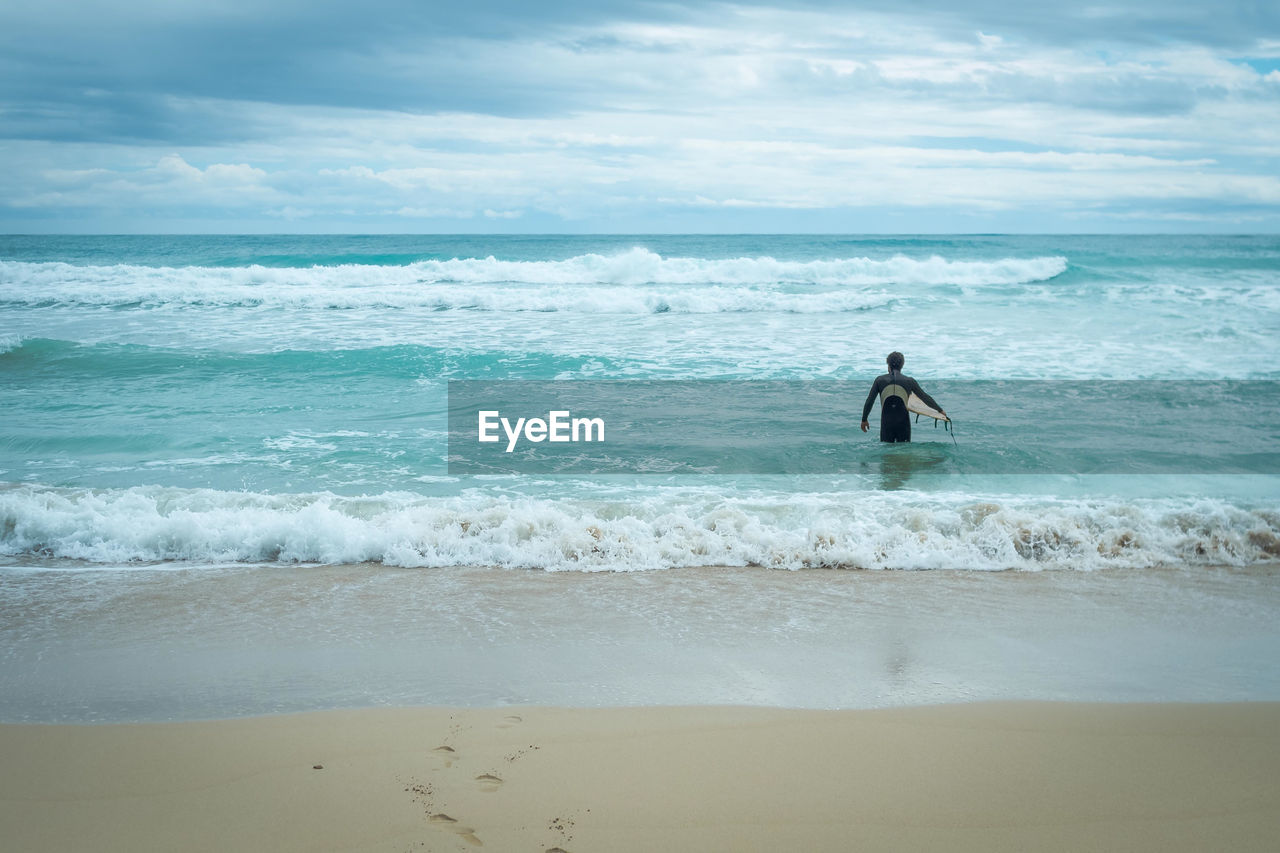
653	531
637	281
417	363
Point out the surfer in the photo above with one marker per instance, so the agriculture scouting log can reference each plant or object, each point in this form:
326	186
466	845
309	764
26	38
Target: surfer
893	389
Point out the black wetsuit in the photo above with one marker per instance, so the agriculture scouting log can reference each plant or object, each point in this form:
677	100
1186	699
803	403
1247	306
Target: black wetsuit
895	420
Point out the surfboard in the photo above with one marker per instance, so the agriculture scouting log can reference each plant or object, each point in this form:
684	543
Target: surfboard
916	405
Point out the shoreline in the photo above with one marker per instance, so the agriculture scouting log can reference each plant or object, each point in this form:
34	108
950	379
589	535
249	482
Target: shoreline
244	641
981	776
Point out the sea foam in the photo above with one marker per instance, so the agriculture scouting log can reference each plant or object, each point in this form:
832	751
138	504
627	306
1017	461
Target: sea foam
637	281
659	529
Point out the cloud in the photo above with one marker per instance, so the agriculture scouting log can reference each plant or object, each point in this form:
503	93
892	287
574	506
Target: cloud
501	112
168	182
1117	22
700	173
157	71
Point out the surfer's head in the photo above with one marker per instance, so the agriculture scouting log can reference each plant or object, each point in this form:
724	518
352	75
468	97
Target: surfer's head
895	360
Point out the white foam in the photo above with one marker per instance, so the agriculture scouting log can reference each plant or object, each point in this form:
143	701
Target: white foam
637	281
658	529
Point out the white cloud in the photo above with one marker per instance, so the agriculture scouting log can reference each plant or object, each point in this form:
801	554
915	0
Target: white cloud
433	213
168	182
748	109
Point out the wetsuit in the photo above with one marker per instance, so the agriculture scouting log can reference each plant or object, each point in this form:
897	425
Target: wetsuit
893	388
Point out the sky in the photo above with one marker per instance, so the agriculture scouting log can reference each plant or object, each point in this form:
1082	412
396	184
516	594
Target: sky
625	116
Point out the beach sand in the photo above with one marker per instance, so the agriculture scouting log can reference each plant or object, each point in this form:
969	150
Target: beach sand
983	776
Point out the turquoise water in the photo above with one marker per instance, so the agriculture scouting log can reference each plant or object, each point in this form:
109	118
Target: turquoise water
224	486
282	399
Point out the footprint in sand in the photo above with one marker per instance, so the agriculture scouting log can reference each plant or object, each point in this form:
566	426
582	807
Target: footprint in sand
563	826
447	753
508	722
488	782
466	833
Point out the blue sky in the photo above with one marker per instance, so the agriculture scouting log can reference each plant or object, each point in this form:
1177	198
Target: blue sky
628	116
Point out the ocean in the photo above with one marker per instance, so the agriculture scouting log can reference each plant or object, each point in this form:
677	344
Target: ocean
225	482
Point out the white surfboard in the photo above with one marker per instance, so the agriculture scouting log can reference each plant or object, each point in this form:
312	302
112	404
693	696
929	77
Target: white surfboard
916	405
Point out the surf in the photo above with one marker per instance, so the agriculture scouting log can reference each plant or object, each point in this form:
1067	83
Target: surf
635	281
658	528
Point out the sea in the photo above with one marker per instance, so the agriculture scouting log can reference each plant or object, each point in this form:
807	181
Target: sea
226	483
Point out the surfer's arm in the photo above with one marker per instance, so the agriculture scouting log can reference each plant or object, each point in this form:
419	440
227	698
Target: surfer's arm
928	401
871	399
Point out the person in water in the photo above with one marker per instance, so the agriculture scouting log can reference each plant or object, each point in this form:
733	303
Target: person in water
893	389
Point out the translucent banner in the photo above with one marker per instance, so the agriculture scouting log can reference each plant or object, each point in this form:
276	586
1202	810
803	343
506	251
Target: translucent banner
812	427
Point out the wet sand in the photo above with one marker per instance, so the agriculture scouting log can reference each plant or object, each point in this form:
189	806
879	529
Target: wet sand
176	643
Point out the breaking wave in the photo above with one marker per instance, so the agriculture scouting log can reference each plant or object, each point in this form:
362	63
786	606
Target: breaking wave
651	531
637	281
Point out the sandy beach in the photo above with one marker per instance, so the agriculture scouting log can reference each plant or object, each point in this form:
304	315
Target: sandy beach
986	776
673	711
488	427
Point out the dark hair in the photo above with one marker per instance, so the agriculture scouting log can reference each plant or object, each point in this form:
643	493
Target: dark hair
895	360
